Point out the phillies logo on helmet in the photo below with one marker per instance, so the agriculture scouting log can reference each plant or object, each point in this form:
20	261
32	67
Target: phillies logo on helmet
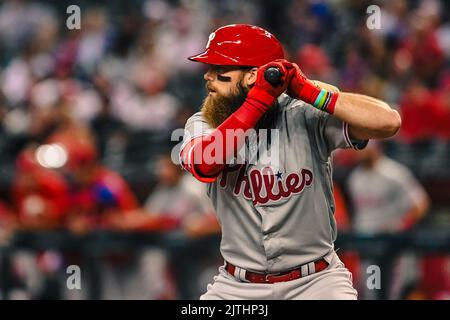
210	38
262	186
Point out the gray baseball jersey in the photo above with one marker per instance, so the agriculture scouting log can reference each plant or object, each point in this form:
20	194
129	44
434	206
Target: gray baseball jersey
383	195
277	218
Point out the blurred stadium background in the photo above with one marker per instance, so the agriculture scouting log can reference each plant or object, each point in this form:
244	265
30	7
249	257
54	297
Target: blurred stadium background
86	118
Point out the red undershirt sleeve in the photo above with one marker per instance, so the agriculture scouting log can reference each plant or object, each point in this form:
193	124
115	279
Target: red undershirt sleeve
205	156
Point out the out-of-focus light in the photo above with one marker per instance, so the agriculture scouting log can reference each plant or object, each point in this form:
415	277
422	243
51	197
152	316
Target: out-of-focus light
33	206
51	156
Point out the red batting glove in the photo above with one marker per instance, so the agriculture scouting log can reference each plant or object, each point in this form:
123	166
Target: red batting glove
266	93
302	88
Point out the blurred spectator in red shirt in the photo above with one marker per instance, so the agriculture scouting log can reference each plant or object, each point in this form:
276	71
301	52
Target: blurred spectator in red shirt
315	63
40	194
434	283
435	280
96	193
442	96
420	113
427	55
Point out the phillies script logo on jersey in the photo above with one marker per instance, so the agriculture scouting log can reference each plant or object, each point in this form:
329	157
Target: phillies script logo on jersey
263	185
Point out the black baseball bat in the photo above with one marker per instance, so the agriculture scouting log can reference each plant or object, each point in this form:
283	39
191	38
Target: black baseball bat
273	76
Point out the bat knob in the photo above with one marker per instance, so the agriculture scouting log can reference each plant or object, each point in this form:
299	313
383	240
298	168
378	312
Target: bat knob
273	76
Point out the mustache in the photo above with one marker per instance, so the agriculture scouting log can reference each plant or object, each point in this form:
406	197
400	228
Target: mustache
209	87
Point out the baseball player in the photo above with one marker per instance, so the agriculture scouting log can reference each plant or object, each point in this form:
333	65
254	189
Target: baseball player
277	220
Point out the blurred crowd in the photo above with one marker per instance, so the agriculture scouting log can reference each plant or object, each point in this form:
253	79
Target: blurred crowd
86	118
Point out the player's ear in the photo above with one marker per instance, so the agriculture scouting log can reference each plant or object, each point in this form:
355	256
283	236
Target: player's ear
250	77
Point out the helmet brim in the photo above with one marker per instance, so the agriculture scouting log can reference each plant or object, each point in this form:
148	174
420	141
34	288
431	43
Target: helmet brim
215	58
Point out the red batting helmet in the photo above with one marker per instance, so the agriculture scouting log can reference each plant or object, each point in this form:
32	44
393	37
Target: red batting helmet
240	45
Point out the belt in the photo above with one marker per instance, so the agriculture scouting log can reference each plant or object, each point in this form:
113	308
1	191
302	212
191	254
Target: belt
256	277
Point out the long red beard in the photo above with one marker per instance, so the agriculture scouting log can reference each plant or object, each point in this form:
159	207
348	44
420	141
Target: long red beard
216	109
